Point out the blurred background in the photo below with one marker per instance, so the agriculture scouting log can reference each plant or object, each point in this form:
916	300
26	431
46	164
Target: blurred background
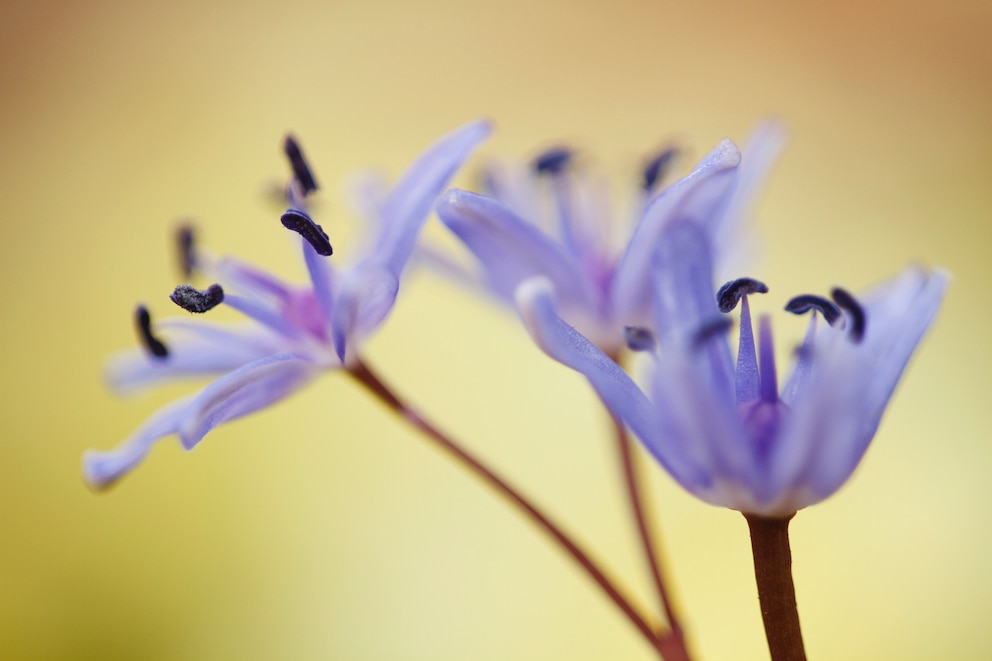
324	528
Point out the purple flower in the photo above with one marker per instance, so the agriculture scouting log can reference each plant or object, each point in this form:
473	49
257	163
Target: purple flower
600	288
293	332
728	434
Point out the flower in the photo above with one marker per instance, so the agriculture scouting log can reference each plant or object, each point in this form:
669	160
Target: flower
727	434
600	289
294	332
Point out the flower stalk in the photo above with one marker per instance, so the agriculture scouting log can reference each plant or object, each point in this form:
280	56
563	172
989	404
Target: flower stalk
361	372
672	639
776	590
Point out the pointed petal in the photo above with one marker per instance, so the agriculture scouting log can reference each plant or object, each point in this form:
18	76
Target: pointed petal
249	280
697	196
760	153
618	392
694	381
512	250
267	316
195	350
849	385
243	391
365	297
102	468
410	202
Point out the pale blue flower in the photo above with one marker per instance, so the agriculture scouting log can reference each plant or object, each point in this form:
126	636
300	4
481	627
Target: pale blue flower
729	435
554	221
294	332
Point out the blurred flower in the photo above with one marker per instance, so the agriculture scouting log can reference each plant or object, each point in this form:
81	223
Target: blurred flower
517	232
727	435
294	332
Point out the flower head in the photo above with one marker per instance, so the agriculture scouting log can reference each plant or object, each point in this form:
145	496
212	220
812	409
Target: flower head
601	288
293	332
726	432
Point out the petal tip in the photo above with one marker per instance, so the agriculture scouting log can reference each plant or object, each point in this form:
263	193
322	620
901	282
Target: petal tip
101	470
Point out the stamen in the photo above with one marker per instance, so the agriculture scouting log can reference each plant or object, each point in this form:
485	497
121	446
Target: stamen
657	168
185	240
299	222
639	338
192	299
857	313
747	377
766	360
301	171
553	161
730	293
154	346
710	329
805	302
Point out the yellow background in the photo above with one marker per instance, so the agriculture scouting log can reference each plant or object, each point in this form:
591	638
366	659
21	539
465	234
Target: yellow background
324	528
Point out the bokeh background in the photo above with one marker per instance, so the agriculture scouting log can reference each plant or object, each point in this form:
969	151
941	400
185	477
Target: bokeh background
324	528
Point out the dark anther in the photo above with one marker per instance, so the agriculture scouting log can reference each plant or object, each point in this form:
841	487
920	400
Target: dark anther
301	223
729	294
857	313
639	338
553	161
152	343
657	167
192	299
710	329
301	171
806	302
185	239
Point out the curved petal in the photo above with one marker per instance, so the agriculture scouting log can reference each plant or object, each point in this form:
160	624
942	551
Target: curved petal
849	385
618	392
243	391
246	278
760	153
696	197
102	468
365	297
512	250
694	382
410	202
202	350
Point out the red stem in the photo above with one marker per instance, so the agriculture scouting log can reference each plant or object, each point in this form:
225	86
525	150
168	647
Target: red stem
375	385
673	640
776	590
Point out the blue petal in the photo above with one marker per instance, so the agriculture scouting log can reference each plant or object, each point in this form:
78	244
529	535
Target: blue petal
410	202
512	250
199	349
760	153
849	385
624	399
694	381
365	296
239	276
102	468
243	391
695	197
